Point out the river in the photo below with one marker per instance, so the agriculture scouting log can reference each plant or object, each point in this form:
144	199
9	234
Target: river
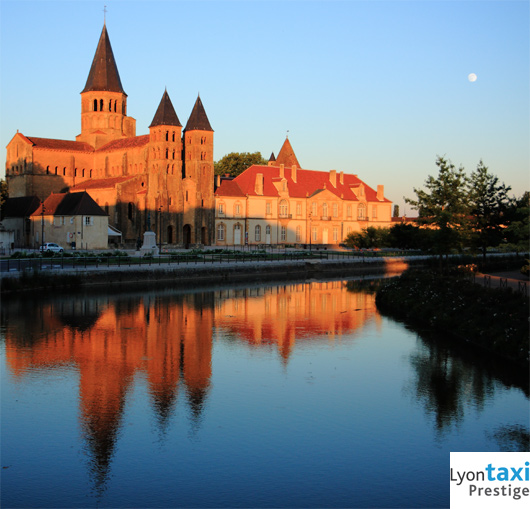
296	395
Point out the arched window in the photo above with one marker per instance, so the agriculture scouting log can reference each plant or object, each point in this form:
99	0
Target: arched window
173	155
221	232
83	172
95	105
130	211
167	153
268	230
110	105
173	138
167	135
257	233
284	208
361	211
101	105
115	106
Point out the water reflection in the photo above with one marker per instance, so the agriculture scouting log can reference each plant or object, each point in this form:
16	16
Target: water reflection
167	340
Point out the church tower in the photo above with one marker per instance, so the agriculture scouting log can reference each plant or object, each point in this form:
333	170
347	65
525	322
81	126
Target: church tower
103	100
198	172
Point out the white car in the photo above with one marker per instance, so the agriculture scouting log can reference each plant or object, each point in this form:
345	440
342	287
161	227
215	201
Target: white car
51	247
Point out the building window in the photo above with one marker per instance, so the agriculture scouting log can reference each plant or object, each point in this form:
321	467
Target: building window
221	232
298	234
361	211
284	208
221	209
268	208
374	211
257	233
268	230
324	210
348	211
89	221
298	209
335	210
130	211
237	209
314	233
314	209
335	235
283	233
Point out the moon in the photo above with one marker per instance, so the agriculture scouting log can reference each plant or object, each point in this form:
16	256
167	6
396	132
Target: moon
472	77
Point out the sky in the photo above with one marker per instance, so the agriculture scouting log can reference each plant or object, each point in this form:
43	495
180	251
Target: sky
374	88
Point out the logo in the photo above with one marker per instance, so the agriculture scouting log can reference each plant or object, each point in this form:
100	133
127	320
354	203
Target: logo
484	479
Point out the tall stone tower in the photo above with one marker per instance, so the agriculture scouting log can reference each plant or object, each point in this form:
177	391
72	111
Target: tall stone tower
198	175
103	100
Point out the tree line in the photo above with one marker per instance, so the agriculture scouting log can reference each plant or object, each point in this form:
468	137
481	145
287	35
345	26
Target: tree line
457	211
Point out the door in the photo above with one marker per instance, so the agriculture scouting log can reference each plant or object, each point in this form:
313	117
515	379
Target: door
325	236
237	234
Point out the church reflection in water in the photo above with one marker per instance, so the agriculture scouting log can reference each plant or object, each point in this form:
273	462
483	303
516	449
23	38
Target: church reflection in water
168	339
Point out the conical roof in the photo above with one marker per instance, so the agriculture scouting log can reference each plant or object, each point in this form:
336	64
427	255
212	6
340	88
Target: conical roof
165	114
287	156
272	158
103	75
198	120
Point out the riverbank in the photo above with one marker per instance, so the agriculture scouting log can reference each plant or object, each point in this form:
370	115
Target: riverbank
194	274
494	319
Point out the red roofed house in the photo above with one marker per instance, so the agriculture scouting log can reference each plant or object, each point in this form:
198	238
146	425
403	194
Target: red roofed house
70	218
283	204
161	181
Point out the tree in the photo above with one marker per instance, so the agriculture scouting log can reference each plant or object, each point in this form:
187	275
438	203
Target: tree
3	196
236	163
444	206
518	220
368	238
407	236
396	211
489	203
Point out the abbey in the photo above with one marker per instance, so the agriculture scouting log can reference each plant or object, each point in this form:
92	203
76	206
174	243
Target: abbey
162	181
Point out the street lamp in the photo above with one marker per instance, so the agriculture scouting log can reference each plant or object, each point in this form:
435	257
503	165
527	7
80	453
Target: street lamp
310	232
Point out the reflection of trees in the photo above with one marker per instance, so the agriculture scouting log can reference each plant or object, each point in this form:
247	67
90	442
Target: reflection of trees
515	438
448	381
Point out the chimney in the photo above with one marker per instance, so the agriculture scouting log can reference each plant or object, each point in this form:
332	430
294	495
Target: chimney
259	184
293	172
333	177
380	193
281	171
341	177
217	180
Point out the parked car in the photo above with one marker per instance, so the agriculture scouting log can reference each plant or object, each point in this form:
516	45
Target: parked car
51	247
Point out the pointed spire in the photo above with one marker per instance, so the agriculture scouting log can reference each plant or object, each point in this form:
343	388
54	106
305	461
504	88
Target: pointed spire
103	75
198	120
287	156
272	158
165	114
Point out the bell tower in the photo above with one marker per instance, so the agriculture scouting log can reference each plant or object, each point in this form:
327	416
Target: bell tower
103	100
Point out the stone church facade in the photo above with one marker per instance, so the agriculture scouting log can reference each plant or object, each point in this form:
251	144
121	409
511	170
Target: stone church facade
162	181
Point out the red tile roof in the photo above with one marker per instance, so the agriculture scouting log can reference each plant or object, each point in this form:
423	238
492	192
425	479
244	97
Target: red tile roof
229	188
51	144
104	183
308	183
70	204
125	143
287	156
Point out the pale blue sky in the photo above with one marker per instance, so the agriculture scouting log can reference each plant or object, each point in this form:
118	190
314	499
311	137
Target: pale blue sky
376	88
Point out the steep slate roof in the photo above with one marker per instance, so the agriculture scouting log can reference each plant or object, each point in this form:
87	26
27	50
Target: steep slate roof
198	120
272	158
51	144
308	183
103	75
125	143
286	155
70	204
165	114
23	206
